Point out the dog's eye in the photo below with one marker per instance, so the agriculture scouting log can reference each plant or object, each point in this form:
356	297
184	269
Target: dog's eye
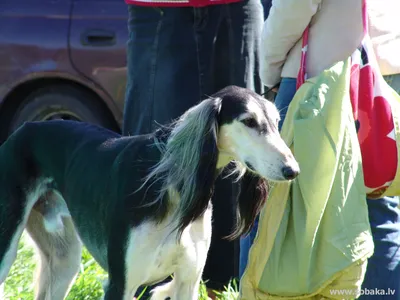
263	129
250	122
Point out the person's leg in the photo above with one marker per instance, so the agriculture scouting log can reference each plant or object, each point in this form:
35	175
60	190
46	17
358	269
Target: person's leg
142	47
286	92
163	69
235	63
383	270
245	245
162	75
237	53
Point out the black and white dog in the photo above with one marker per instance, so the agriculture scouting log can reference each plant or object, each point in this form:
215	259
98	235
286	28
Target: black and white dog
140	204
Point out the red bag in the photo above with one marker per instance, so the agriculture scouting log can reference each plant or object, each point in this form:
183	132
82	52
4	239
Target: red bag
376	114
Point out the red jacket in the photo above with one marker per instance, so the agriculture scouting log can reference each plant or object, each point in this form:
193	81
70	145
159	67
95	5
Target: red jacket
179	3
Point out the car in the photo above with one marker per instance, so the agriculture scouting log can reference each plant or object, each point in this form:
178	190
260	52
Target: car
62	59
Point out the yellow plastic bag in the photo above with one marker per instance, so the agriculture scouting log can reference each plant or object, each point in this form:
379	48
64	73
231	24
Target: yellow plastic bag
314	236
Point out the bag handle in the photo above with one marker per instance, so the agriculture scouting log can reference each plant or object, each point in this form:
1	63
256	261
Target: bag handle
302	74
365	17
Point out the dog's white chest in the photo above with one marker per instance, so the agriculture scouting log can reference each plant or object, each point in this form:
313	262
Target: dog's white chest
156	254
152	253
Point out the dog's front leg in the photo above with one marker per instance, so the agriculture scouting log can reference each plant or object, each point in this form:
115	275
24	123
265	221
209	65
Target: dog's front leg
186	281
188	275
185	285
117	291
123	277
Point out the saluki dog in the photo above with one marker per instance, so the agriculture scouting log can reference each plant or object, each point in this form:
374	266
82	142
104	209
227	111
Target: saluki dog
140	204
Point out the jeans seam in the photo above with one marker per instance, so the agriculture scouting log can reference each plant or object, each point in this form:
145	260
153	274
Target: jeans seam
231	39
152	73
197	42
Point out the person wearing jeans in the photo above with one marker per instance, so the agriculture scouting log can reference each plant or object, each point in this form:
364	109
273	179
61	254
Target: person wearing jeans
331	41
179	52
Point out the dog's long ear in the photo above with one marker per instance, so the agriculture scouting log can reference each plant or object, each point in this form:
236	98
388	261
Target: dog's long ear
199	130
251	198
189	163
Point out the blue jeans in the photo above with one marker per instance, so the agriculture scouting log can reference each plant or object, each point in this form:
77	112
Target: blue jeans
383	270
177	56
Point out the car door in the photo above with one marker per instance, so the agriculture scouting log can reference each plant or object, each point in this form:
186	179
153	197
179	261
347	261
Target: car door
97	40
33	39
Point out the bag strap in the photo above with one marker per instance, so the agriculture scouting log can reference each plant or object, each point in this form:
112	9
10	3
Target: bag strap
365	17
302	74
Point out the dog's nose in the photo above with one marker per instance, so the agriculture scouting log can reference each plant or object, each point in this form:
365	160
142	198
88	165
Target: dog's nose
289	173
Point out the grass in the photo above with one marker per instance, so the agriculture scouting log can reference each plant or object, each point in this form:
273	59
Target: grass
87	286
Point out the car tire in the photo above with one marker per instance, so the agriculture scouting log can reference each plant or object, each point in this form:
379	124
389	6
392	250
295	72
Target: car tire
61	102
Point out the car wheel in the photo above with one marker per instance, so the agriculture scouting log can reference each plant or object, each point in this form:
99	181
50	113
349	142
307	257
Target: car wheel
61	102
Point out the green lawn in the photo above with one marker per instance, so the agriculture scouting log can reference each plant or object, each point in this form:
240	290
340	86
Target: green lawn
87	286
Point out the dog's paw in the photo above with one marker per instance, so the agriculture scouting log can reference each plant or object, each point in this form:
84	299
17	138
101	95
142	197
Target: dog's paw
163	292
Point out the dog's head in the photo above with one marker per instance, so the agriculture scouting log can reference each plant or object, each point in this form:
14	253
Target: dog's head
248	134
233	125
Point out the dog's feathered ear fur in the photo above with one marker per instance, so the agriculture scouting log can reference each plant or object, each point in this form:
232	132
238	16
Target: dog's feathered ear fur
190	159
199	189
251	198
